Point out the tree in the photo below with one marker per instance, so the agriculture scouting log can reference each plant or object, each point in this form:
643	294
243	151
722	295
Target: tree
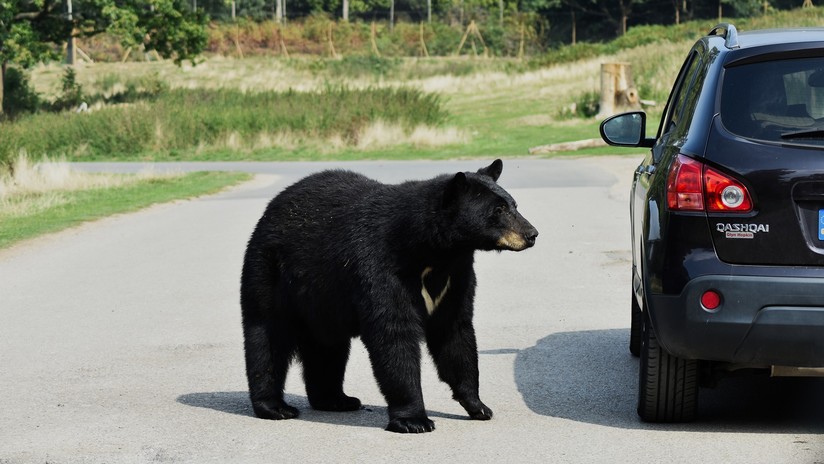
745	7
616	13
31	31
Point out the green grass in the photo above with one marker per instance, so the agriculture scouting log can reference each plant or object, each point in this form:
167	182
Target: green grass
181	123
89	205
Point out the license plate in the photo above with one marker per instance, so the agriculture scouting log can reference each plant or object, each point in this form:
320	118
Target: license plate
821	224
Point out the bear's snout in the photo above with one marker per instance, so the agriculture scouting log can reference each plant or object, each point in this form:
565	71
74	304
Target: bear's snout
518	241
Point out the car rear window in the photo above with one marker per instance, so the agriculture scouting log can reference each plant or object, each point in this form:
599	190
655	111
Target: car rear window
778	101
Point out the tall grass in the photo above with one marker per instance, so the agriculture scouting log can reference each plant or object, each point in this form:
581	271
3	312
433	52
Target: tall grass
48	196
182	120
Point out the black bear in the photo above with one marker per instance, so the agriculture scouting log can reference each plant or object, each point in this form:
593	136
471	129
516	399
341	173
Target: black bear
338	255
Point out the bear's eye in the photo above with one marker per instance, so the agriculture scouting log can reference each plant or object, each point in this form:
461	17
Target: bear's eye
500	210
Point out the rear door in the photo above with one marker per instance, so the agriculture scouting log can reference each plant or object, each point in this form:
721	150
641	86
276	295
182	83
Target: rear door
770	136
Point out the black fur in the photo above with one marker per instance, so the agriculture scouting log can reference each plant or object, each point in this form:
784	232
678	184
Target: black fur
338	255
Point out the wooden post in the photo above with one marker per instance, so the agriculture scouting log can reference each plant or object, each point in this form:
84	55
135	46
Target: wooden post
501	13
332	51
481	38
283	49
463	41
574	26
521	46
237	41
3	65
424	51
71	56
374	38
476	33
618	92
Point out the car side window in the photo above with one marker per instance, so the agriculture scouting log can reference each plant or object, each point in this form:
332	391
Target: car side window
678	110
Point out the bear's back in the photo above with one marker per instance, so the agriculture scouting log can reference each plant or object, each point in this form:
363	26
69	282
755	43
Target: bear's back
320	208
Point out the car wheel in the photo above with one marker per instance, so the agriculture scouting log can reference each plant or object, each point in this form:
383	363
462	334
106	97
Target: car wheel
668	385
635	328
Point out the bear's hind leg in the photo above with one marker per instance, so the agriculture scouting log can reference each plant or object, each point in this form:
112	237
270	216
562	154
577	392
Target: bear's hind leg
323	371
267	362
269	347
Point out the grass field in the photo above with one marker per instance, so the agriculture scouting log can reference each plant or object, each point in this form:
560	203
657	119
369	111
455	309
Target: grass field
48	197
492	107
491	112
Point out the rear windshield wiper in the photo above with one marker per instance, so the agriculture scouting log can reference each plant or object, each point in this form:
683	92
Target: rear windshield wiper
804	134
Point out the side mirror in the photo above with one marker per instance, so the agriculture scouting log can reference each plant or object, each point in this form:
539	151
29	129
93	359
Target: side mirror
626	130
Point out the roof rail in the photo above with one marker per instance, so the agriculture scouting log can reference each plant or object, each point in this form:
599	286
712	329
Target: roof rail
730	34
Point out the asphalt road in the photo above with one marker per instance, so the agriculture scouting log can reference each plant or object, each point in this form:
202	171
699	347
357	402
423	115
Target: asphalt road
120	341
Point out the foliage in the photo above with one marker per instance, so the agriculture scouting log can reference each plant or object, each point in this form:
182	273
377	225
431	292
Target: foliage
180	120
169	29
29	29
20	96
658	34
72	92
586	105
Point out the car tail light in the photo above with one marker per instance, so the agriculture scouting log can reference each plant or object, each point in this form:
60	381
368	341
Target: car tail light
692	186
725	193
685	190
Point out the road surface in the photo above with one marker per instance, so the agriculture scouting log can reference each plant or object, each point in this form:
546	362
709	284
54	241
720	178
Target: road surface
120	342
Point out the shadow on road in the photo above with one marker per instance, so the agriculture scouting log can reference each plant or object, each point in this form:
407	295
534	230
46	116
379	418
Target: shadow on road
589	376
238	403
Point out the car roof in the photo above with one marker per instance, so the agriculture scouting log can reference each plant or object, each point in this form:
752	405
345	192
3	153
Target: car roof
763	37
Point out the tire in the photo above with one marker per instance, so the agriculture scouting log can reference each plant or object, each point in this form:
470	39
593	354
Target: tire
635	328
667	385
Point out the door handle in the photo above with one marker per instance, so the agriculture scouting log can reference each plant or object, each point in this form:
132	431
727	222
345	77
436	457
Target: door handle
646	170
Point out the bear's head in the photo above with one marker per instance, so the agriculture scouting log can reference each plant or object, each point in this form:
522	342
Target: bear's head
483	214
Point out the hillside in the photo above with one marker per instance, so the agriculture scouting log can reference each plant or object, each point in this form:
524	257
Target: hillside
493	107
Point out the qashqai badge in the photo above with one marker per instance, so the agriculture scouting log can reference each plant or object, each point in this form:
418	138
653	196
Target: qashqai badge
734	230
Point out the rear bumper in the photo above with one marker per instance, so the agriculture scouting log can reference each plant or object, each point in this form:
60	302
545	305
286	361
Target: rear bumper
761	321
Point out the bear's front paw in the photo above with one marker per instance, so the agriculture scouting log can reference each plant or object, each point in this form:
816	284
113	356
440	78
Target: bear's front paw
410	425
477	410
275	410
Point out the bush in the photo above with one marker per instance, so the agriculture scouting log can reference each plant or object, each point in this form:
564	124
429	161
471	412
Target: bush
19	97
72	93
586	105
356	66
183	120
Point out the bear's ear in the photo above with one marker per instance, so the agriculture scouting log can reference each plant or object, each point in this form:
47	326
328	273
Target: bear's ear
456	186
493	170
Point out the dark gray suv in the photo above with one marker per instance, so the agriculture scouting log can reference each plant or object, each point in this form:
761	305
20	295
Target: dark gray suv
727	213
